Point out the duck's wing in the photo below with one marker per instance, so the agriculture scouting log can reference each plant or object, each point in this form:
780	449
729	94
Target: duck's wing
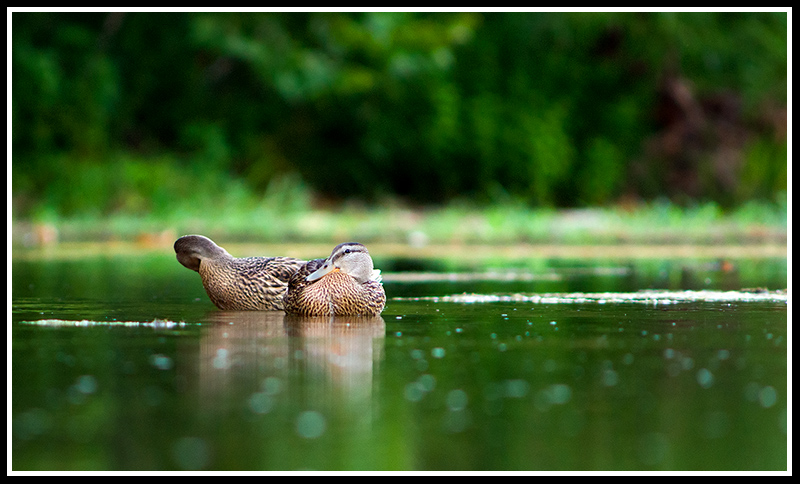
295	292
270	274
298	280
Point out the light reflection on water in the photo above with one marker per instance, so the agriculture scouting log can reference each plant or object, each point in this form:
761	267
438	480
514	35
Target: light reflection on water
148	375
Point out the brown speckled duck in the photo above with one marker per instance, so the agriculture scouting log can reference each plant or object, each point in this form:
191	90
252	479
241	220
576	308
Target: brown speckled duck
250	283
344	284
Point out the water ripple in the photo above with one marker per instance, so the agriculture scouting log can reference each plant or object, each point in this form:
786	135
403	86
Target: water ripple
156	323
654	297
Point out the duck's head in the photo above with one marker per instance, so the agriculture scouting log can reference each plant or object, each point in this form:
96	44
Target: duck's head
351	258
191	249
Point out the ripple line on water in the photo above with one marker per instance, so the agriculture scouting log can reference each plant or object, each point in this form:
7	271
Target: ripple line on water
156	323
640	297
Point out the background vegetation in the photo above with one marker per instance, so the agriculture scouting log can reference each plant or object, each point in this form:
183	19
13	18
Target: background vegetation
178	116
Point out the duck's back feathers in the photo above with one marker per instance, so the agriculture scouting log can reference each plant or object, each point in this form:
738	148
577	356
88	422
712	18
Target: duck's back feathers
250	283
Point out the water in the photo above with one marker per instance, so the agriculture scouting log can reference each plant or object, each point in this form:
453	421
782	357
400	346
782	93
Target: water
122	363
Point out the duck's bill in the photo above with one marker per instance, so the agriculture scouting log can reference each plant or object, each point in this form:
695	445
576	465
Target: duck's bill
327	268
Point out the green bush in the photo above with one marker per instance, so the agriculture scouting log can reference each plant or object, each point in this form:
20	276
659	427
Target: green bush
152	112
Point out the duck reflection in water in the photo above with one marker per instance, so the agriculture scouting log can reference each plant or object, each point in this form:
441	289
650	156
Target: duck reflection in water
248	348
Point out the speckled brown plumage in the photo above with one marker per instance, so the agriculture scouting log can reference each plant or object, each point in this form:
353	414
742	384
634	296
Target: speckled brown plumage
250	283
335	294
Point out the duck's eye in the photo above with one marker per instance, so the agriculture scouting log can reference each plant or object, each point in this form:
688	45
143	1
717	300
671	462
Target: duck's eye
346	251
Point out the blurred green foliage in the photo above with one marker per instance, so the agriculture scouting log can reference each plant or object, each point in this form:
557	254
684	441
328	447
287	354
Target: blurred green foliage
158	112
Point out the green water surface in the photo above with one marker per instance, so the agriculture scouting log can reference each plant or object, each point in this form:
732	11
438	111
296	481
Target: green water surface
122	363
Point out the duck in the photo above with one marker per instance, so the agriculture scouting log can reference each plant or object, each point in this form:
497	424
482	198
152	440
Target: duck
344	284
237	284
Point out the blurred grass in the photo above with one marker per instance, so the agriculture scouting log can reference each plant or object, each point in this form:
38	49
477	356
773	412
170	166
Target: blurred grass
147	200
241	220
